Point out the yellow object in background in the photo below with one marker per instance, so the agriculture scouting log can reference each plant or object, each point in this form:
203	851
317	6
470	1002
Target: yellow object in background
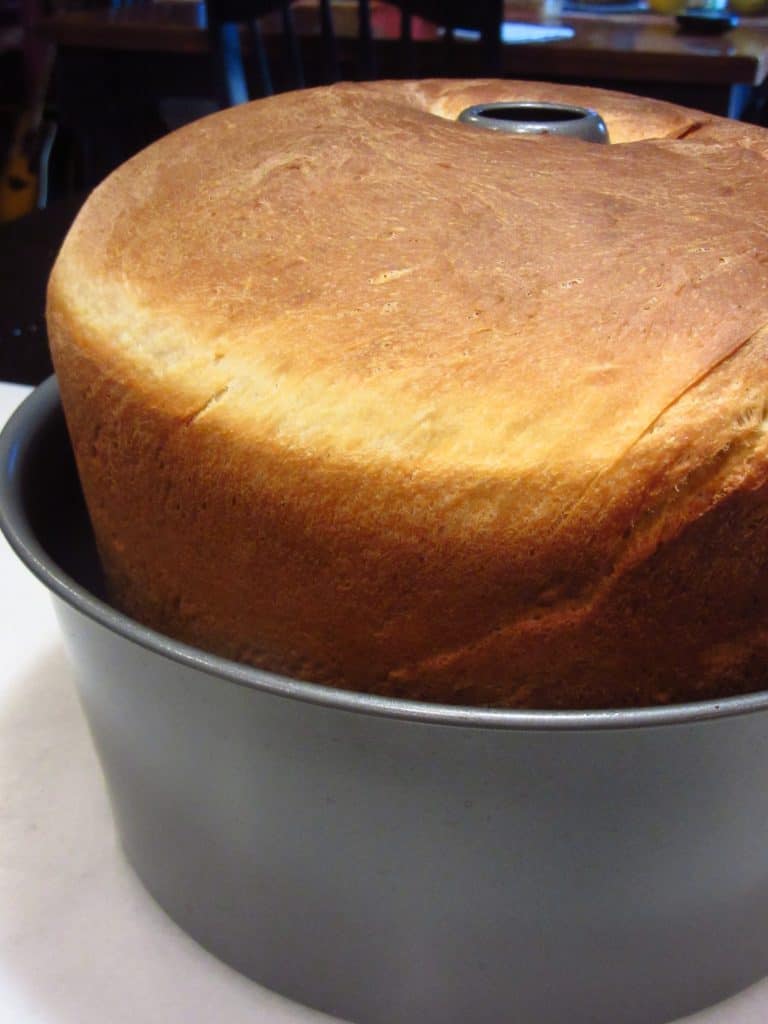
667	6
748	6
24	172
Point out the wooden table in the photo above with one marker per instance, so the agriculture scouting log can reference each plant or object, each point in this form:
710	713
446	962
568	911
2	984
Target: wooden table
647	54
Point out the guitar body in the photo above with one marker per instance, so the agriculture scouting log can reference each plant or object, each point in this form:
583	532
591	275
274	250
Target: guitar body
24	179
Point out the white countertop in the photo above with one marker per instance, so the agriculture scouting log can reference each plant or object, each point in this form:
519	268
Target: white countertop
80	940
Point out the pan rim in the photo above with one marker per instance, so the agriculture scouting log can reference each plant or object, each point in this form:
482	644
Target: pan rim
15	441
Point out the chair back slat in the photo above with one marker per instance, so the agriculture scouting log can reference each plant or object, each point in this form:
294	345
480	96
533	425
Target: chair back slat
367	57
407	52
259	56
329	43
292	44
231	85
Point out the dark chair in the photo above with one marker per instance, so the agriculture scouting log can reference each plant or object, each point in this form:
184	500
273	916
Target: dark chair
277	58
483	18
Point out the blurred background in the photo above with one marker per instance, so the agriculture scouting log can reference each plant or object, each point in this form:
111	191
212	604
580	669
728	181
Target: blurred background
84	84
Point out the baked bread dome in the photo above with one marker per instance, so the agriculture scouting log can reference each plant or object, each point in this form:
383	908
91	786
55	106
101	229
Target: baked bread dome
373	398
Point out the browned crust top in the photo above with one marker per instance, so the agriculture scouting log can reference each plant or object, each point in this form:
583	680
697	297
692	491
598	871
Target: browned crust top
346	248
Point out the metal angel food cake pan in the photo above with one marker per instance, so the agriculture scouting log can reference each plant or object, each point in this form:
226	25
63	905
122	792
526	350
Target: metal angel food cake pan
393	861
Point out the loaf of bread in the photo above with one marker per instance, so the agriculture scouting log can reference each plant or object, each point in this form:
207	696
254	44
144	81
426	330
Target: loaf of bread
380	400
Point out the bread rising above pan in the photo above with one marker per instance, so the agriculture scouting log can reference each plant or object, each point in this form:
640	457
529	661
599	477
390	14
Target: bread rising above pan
373	398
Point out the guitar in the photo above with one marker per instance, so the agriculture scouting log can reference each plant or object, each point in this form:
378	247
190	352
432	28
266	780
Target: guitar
24	179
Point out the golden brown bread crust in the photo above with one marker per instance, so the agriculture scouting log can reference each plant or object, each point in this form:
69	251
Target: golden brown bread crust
370	397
